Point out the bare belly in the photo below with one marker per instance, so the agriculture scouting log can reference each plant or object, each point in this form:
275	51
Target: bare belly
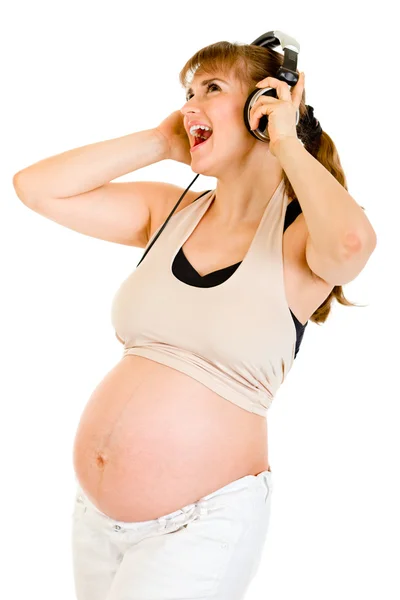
151	440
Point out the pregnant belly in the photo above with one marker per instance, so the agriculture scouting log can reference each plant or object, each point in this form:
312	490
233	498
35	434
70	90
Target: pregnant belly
151	440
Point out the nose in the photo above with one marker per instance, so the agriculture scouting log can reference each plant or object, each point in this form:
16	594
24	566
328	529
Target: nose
187	110
188	107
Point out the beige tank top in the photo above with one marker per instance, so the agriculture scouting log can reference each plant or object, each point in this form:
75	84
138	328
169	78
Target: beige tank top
237	338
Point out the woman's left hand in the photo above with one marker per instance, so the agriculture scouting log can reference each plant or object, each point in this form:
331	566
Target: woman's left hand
281	111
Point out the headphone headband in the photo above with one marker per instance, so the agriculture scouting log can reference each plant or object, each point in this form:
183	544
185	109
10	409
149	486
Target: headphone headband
291	48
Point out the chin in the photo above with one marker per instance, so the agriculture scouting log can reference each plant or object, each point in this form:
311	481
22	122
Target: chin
211	168
205	172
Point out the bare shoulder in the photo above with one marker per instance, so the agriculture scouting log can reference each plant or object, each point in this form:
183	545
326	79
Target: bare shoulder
161	207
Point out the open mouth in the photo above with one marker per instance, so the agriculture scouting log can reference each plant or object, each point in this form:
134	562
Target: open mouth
201	140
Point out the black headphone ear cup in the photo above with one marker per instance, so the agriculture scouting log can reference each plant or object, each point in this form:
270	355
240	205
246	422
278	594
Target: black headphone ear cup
263	123
246	113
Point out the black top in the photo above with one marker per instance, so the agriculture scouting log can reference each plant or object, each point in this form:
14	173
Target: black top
183	270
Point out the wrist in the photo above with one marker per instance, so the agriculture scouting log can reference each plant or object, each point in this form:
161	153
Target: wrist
163	144
284	144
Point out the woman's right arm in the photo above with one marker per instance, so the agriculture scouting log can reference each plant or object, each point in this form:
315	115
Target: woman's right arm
89	167
74	189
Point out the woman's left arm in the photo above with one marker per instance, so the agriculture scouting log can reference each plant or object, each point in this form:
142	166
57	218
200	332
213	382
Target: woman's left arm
335	222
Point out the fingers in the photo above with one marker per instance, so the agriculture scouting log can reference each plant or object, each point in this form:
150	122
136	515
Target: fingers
283	90
297	91
284	94
259	110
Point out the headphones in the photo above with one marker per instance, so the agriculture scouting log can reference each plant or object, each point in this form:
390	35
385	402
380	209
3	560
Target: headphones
287	72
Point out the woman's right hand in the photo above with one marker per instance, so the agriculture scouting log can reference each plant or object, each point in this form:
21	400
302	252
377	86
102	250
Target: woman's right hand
176	136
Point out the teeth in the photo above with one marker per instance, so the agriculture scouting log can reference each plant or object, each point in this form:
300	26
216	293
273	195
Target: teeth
194	128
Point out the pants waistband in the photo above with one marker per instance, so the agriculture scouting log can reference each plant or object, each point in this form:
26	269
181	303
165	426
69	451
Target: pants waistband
191	511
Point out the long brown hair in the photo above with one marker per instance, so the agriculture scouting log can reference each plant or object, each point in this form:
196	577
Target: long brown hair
250	64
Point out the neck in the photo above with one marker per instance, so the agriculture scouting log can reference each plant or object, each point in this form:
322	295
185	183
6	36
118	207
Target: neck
242	197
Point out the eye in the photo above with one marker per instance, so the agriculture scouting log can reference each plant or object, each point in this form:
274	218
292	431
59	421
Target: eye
209	85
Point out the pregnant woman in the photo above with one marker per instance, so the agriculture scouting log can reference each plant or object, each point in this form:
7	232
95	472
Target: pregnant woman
171	452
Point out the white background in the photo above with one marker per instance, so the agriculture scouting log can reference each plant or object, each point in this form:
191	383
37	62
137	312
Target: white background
81	72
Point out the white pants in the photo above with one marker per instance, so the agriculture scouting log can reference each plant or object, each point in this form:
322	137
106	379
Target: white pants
208	549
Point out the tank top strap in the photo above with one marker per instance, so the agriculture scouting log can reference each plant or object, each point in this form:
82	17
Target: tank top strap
185	220
201	195
268	238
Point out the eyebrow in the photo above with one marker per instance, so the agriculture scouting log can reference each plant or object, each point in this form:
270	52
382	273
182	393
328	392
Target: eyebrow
205	82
